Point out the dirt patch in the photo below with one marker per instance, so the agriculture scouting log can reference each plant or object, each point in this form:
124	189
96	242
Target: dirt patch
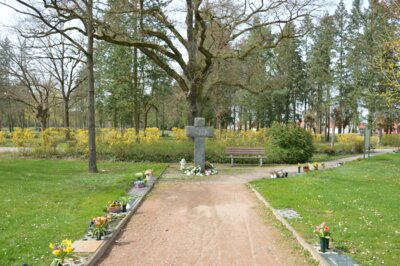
201	224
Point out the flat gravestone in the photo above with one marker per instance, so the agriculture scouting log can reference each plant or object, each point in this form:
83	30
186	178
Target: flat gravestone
199	132
88	246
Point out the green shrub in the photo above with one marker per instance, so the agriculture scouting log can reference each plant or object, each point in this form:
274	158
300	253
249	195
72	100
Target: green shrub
289	144
391	140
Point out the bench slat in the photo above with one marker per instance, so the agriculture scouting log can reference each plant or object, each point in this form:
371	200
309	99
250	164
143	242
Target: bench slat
245	151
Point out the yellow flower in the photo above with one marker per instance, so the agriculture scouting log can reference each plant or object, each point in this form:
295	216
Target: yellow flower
68	249
66	243
51	246
56	252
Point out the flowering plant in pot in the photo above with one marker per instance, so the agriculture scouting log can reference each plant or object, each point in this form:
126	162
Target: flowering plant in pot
114	206
324	234
124	201
99	226
306	168
149	174
61	251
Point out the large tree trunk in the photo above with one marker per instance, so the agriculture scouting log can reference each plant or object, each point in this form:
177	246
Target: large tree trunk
42	113
91	105
66	119
192	102
136	112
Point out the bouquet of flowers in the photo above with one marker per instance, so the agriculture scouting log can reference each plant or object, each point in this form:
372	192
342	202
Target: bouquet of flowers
99	226
322	230
61	251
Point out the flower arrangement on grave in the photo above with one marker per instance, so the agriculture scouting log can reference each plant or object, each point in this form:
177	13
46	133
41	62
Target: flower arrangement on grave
61	251
149	172
196	170
124	201
323	165
315	165
273	174
324	234
306	168
99	226
149	175
139	180
322	230
114	206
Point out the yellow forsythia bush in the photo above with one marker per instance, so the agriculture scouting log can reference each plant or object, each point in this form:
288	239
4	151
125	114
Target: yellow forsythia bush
81	137
22	137
129	136
2	137
348	137
110	136
243	138
50	137
152	135
179	134
318	138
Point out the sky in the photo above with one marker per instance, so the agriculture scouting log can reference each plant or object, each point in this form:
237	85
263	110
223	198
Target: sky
7	16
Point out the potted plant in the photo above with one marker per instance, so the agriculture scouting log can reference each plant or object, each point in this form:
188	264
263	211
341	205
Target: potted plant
324	234
306	168
315	165
61	251
273	174
323	165
114	206
99	226
149	175
124	201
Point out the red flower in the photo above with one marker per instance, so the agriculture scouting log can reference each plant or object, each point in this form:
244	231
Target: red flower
326	229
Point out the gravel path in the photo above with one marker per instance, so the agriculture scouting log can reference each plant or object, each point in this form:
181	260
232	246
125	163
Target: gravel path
200	224
205	221
9	149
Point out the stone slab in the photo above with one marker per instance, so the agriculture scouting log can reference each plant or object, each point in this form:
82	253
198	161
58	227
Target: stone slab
87	246
337	258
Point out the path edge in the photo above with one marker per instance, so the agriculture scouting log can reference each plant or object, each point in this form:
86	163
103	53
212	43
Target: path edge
300	240
98	254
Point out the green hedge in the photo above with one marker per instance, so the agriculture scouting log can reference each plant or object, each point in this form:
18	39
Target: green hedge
392	140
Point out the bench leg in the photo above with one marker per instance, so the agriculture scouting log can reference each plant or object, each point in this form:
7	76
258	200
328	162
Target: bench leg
231	160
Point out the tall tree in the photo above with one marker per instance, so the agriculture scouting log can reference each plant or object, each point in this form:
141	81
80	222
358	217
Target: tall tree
33	84
341	74
235	19
321	73
63	62
78	15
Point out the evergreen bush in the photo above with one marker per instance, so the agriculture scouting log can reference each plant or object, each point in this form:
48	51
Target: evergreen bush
289	144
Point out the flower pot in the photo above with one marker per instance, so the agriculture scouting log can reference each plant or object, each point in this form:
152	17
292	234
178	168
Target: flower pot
306	169
113	208
323	244
123	208
98	236
150	178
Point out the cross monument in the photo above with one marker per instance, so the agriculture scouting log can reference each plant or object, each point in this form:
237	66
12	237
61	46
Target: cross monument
199	132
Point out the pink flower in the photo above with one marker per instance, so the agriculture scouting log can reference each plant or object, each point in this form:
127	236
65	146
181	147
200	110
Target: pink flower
149	172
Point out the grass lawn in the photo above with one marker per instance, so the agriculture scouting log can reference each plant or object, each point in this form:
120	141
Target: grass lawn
46	201
360	201
323	157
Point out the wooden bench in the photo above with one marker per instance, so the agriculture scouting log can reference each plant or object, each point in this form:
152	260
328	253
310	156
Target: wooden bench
245	153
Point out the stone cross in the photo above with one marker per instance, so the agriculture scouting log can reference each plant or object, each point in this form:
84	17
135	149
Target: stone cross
199	132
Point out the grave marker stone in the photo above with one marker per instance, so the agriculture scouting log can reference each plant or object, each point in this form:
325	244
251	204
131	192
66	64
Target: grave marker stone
199	132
